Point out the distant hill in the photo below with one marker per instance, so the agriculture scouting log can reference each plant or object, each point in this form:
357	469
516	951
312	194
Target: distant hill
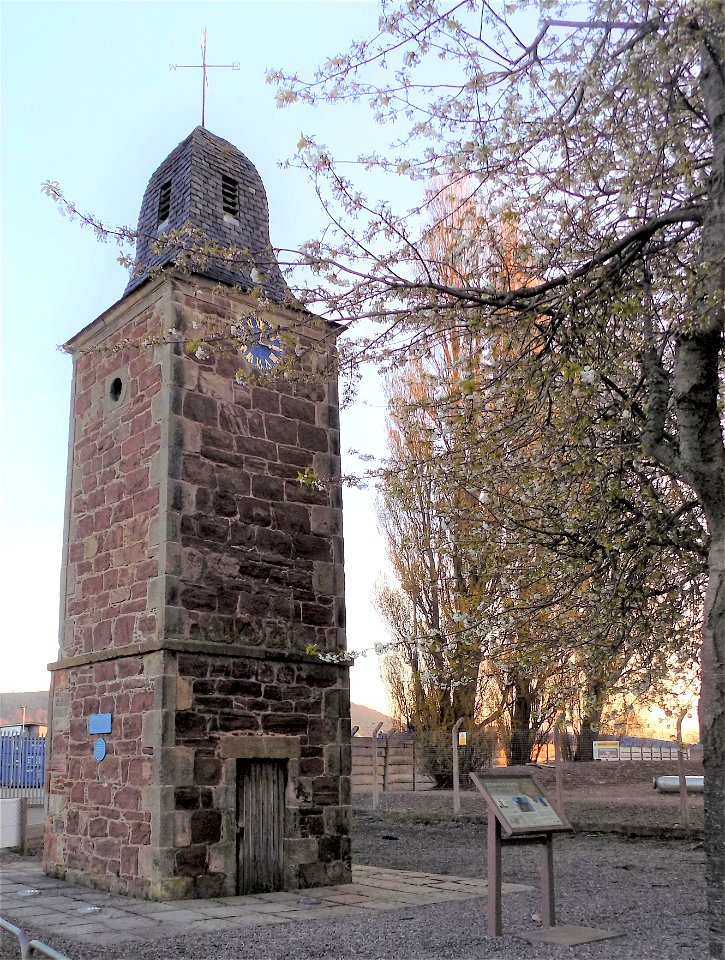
366	718
36	704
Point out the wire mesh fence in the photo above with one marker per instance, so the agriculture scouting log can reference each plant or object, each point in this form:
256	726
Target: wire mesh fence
424	760
435	750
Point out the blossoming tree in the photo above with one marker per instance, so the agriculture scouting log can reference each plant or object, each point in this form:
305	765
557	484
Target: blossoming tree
603	125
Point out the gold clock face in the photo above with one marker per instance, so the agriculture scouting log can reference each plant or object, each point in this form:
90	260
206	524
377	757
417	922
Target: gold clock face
262	347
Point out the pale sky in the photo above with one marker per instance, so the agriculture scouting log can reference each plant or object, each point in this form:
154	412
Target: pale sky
88	100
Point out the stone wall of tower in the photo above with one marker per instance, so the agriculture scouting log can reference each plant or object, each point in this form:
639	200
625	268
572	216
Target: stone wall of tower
254	563
228	701
98	816
99	819
112	555
197	569
260	553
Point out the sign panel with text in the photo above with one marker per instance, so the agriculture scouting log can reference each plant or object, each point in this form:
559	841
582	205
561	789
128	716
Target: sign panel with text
520	805
606	750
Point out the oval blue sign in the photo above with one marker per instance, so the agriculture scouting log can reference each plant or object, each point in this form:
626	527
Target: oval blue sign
99	749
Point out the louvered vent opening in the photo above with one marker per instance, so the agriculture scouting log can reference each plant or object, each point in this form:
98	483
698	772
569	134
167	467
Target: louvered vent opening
164	202
230	196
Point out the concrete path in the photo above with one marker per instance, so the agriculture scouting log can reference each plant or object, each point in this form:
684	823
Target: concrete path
33	901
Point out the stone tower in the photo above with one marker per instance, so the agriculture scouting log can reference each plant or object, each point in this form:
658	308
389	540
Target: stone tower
196	749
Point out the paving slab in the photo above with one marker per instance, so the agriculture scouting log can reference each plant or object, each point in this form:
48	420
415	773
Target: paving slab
146	907
212	925
259	919
386	905
221	910
56	907
568	935
174	916
351	898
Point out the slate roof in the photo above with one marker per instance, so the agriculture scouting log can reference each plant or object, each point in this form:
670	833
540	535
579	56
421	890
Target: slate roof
195	169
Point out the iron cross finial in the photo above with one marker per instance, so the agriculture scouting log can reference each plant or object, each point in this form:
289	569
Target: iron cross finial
204	67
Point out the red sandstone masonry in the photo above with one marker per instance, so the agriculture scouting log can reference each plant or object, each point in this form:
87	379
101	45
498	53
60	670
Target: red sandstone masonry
266	538
240	697
95	827
114	497
101	827
252	557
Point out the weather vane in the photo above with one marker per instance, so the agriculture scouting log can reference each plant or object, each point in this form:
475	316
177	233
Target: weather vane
204	67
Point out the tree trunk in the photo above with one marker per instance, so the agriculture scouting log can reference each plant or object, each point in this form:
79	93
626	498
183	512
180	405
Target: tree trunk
698	457
712	733
519	750
702	452
585	740
464	701
590	723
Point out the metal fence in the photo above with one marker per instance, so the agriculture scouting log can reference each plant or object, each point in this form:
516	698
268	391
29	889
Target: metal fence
651	753
30	948
22	768
423	760
545	752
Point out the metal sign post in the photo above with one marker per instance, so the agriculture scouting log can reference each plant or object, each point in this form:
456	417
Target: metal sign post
376	730
684	808
456	784
493	857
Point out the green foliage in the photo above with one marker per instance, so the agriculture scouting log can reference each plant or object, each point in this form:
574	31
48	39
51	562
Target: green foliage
309	478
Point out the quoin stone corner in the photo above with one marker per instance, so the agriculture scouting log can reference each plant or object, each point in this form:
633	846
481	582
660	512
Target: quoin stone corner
196	749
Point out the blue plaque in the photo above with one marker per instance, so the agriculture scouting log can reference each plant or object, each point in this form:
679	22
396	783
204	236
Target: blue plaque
99	749
99	723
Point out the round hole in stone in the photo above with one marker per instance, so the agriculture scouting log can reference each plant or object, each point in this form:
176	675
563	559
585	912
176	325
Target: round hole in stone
116	389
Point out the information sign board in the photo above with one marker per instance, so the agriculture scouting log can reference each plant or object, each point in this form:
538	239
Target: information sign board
99	723
606	750
520	804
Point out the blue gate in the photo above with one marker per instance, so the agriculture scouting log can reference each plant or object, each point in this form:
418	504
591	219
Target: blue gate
22	761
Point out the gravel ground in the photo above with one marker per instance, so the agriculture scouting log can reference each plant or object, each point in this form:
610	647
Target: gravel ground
650	890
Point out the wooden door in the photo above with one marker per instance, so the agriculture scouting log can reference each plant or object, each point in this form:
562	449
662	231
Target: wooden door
260	825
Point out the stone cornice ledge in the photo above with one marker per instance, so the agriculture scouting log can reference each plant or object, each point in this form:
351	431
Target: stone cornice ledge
207	647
